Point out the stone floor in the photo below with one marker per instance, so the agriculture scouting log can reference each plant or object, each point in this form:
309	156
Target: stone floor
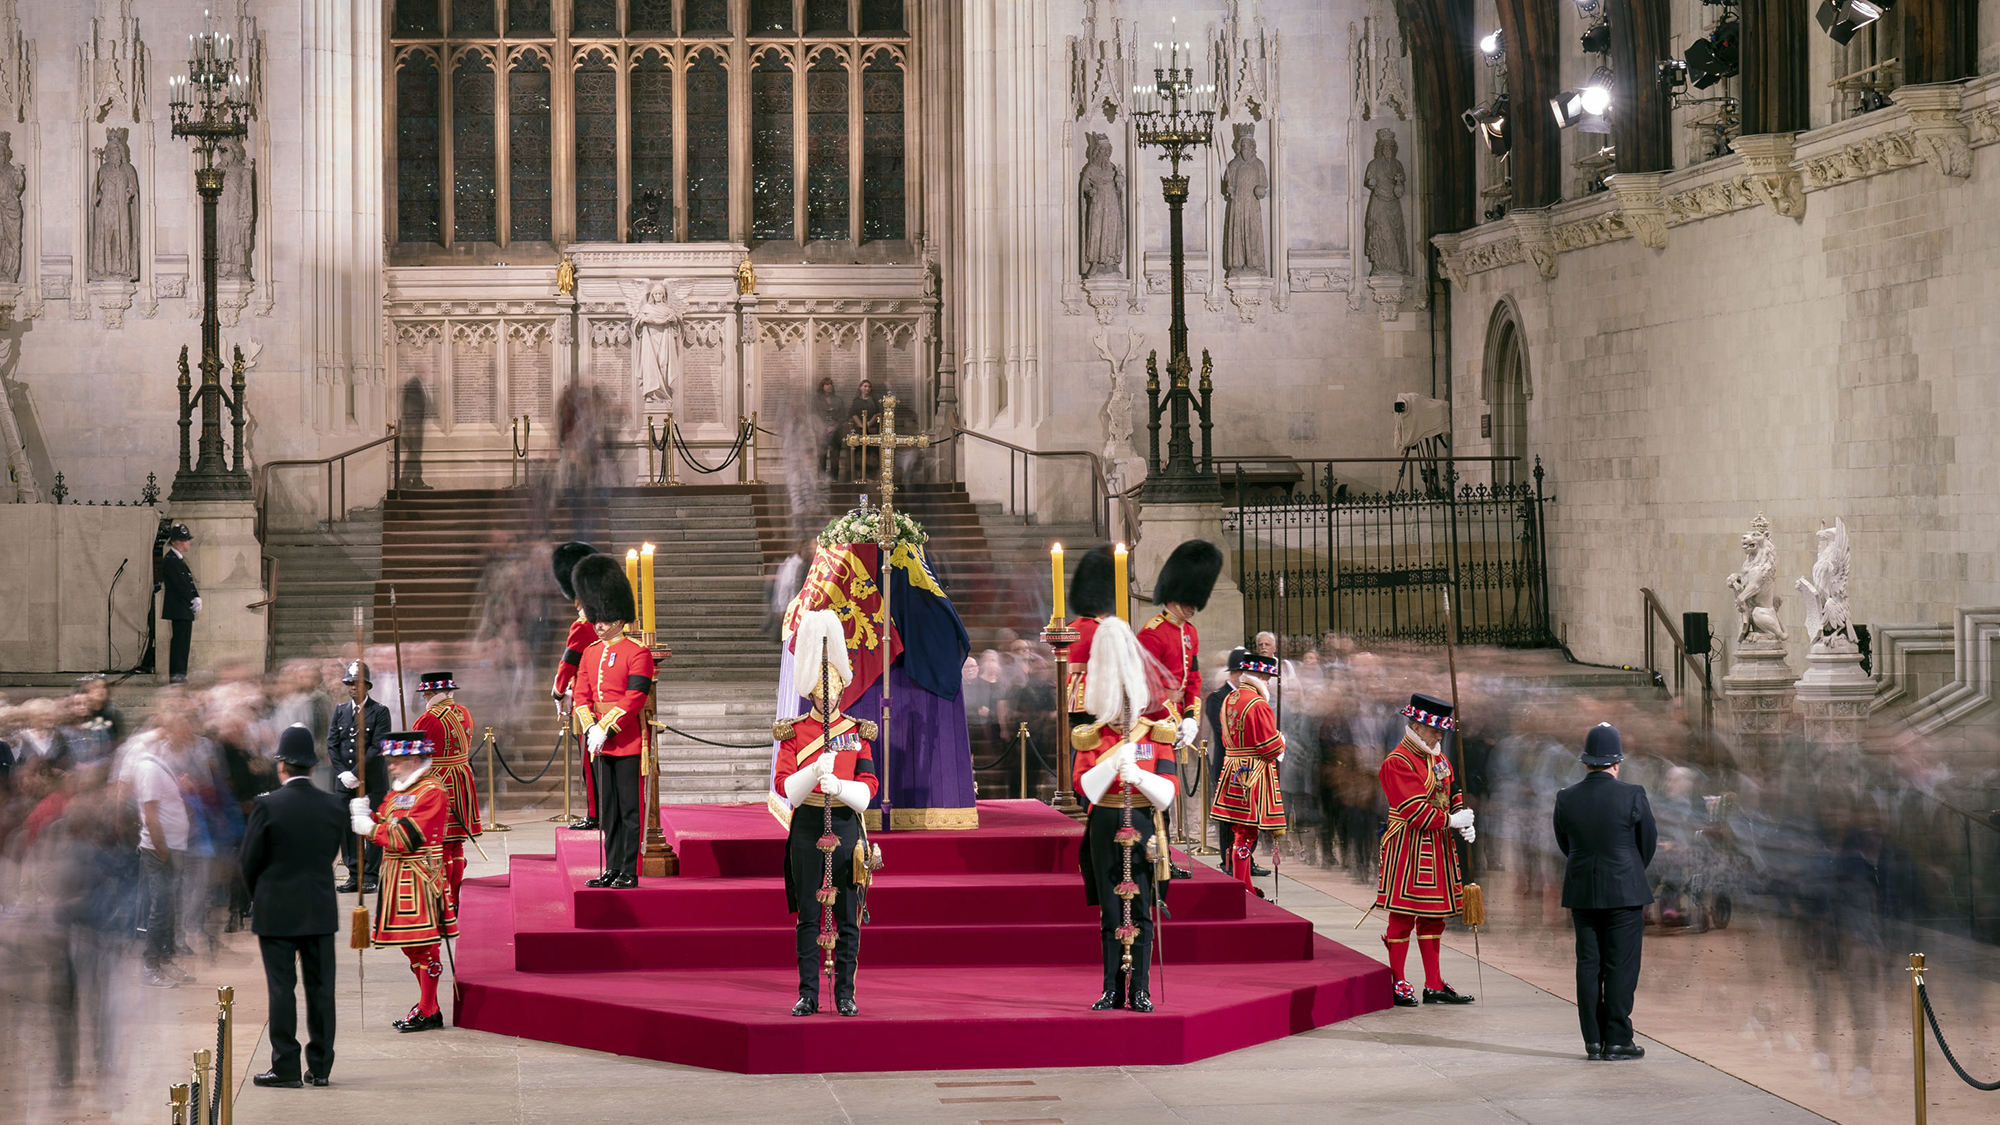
1512	1057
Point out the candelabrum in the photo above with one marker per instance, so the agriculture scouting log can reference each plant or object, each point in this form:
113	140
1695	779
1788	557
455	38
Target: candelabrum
210	104
1177	116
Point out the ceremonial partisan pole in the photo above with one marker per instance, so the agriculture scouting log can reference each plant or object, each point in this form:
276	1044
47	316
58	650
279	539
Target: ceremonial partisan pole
885	539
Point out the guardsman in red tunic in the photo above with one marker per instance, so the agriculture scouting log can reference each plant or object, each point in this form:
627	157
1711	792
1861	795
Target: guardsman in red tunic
1248	797
1121	767
1186	580
581	637
1092	595
414	908
824	765
449	727
1419	883
612	685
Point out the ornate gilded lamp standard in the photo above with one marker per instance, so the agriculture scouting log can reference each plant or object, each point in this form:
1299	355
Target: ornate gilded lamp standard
1177	117
210	105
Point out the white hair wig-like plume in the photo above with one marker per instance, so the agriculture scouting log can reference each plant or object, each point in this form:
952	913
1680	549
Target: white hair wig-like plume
1114	687
820	630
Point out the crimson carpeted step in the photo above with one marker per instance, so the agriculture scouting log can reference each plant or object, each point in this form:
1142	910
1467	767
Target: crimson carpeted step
1013	836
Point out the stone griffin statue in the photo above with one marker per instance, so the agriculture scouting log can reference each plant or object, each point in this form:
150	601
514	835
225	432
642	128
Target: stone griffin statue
1828	620
1756	588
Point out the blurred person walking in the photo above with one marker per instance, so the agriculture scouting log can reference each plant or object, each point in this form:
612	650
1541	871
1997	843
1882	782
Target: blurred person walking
1605	829
354	742
289	844
97	724
163	841
182	601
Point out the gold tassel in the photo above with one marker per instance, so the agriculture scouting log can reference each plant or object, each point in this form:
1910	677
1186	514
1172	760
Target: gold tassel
357	937
1472	907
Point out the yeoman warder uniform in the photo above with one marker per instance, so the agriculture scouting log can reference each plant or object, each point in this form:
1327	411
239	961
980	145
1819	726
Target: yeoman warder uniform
1419	883
1248	798
581	637
449	726
824	764
612	684
414	910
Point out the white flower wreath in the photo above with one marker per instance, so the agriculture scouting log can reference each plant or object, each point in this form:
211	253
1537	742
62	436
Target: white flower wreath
864	526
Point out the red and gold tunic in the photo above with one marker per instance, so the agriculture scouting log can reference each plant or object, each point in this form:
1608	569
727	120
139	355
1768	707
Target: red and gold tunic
581	636
1079	662
450	728
413	906
801	743
610	691
1155	755
1419	862
1249	793
1174	643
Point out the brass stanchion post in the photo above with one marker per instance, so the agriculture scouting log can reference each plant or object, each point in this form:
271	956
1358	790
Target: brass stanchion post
225	1062
492	791
199	1082
1021	750
562	736
1918	1042
177	1101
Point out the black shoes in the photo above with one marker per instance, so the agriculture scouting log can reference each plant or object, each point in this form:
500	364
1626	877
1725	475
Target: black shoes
1445	995
845	1006
1593	1052
315	1079
415	1022
1624	1052
603	880
347	888
624	883
1107	1002
1257	870
1403	995
270	1078
368	888
1140	1001
806	1006
584	824
1181	873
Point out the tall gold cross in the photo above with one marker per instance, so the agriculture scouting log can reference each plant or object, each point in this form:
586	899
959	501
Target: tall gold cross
888	441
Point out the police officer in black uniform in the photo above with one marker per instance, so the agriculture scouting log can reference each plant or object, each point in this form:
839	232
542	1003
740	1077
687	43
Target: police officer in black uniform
181	600
343	733
289	841
1605	829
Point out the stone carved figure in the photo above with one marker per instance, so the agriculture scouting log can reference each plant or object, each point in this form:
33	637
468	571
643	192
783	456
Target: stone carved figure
1756	588
1245	183
1828	621
235	212
13	182
1101	192
656	309
114	213
1383	237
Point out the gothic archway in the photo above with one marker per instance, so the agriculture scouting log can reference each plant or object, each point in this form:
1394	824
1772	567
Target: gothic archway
1505	387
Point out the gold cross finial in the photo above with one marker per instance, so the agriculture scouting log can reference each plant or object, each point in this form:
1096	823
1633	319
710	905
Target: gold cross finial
888	441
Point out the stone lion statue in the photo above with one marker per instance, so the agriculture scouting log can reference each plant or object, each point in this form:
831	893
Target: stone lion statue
1756	588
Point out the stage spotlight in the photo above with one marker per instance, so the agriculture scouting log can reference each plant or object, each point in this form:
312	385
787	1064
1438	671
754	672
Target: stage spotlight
1568	107
1597	40
1714	58
1842	19
1673	74
1490	123
1585	108
1595	97
1493	47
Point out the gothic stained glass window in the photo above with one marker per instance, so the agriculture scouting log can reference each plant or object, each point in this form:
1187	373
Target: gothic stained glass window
882	200
881	15
705	17
651	99
771	147
768	17
418	215
826	17
594	17
826	146
650	17
529	149
707	148
596	148
528	17
416	18
475	205
473	17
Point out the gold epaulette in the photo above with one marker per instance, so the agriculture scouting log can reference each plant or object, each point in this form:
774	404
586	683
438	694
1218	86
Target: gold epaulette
866	727
782	729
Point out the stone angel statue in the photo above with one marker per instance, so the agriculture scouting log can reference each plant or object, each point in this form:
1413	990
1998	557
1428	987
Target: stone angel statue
1756	588
656	309
1828	620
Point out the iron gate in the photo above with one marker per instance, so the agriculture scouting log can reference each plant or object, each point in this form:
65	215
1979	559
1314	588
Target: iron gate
1379	565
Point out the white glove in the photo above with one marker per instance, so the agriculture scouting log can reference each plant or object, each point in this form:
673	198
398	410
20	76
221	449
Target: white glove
348	780
593	740
1098	778
823	765
195	605
854	794
1281	757
829	784
1130	774
358	816
1190	727
799	785
1469	832
1158	791
1461	819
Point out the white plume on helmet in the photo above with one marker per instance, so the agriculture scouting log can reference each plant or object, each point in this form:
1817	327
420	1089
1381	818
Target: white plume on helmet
1115	688
814	627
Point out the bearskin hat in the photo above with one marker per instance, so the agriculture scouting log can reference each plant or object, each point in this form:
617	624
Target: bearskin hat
603	590
565	559
1188	576
1091	593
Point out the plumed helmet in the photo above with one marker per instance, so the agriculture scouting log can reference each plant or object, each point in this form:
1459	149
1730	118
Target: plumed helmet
1091	592
1188	576
1115	687
564	560
818	631
603	590
295	747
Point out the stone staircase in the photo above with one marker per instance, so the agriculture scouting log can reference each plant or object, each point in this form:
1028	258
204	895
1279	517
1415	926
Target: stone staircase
323	575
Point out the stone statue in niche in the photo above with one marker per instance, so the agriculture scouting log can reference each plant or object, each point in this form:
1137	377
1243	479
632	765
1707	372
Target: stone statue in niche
1756	589
114	213
13	182
235	212
1245	183
1829	622
1384	240
1101	190
656	309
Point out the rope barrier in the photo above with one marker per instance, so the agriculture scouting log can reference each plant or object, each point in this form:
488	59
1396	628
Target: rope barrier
1925	995
554	752
687	454
710	742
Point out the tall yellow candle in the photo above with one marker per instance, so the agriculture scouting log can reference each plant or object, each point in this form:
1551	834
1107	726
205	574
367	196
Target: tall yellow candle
1056	576
632	575
646	586
1119	587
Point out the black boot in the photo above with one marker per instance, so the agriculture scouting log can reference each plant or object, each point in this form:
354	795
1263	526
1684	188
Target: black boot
603	880
1108	1001
1141	1001
845	1006
806	1006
